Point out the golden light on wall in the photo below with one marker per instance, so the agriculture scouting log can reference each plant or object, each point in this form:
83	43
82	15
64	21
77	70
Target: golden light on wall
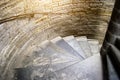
46	5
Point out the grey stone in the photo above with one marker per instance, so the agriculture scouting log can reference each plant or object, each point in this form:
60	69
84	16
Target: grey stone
76	71
64	45
74	44
84	45
94	46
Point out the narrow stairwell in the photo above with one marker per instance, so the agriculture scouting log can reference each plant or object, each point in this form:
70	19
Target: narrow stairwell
64	58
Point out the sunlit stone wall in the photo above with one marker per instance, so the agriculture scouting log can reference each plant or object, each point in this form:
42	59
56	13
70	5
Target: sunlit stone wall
25	23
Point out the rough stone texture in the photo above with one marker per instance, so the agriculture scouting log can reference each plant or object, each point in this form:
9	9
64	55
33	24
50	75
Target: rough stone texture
25	23
109	47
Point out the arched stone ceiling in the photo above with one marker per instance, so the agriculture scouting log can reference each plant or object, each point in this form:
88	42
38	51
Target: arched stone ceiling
25	23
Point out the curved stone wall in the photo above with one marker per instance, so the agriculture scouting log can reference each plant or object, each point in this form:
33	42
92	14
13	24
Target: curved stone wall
24	24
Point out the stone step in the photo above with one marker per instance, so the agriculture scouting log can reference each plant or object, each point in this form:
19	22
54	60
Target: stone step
81	71
74	44
34	56
48	61
54	52
74	71
64	45
84	45
94	46
31	72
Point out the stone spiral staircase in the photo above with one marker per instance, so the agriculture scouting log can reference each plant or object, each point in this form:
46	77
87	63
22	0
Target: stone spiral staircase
64	58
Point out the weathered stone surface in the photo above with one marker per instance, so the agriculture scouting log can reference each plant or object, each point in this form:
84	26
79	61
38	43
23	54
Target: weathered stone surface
75	71
84	45
26	23
74	44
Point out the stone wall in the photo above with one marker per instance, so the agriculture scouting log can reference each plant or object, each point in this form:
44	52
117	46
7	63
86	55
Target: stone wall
25	23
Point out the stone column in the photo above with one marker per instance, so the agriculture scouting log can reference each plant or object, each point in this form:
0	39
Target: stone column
111	40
